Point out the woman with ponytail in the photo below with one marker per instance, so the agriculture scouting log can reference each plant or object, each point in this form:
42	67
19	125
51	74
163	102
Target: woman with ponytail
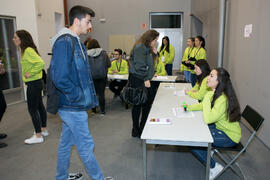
198	53
221	111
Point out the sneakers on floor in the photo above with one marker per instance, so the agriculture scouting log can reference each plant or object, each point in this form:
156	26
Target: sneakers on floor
108	178
215	171
45	133
75	176
34	139
2	145
3	136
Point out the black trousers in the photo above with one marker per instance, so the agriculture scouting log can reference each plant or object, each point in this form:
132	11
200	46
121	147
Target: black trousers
100	85
117	86
141	110
3	104
36	108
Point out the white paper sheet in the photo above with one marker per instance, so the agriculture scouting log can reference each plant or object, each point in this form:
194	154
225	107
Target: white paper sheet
161	77
169	86
179	93
179	112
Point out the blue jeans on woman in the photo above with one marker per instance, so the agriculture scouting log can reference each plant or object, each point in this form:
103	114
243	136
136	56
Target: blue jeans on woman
220	140
75	131
193	79
187	76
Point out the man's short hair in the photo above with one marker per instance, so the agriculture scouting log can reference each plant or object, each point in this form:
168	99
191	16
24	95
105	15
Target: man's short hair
79	12
119	51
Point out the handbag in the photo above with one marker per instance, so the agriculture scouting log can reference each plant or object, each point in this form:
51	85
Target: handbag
134	96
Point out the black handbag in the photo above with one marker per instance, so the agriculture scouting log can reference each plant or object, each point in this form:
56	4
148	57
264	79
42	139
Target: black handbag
134	96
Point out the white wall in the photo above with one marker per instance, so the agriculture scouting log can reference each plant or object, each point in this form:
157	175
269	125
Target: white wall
40	27
46	26
24	11
127	16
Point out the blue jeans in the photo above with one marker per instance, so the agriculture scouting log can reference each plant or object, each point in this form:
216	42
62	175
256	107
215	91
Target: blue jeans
75	131
168	68
187	76
193	79
220	140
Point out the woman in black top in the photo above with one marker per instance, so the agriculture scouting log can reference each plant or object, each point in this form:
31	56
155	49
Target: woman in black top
141	71
99	64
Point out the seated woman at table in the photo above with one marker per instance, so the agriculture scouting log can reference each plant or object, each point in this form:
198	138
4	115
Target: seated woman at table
221	111
202	70
119	66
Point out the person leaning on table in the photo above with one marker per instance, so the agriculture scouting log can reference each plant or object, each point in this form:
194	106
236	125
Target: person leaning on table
141	71
221	111
202	70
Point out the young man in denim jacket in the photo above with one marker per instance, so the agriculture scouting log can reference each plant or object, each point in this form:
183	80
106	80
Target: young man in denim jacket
71	76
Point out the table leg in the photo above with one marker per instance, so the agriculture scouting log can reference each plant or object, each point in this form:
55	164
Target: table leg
144	160
208	161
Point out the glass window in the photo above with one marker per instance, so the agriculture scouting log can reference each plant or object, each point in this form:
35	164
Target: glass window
10	58
165	21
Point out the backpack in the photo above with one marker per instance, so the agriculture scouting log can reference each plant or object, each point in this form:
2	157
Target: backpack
52	92
98	65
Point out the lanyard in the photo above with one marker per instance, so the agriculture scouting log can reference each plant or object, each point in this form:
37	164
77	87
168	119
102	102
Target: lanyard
189	51
119	67
197	52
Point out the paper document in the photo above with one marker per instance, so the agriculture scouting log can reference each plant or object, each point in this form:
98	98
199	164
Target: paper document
165	121
161	77
169	86
179	93
179	112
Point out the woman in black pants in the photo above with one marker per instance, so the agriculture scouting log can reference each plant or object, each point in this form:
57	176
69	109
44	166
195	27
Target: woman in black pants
141	71
32	66
99	63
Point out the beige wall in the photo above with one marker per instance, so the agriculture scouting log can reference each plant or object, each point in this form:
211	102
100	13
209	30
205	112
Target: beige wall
208	12
246	59
46	24
125	17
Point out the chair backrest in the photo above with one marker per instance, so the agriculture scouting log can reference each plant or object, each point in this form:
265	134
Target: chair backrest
254	119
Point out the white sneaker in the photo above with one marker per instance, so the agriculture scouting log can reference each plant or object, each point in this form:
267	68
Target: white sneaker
215	171
45	133
212	153
75	176
108	178
34	139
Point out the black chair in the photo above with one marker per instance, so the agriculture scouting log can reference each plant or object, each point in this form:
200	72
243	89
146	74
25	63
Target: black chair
255	120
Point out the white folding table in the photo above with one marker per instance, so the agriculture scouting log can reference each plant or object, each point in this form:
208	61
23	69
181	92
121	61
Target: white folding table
185	131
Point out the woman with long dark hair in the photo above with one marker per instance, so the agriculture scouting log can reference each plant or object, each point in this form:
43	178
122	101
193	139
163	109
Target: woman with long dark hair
185	59
32	66
166	52
198	53
202	70
99	64
141	71
221	111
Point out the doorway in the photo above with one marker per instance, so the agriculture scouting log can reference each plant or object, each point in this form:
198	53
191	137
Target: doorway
169	24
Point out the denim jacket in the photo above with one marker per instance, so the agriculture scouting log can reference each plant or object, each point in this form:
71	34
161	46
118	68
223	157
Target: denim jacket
72	77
